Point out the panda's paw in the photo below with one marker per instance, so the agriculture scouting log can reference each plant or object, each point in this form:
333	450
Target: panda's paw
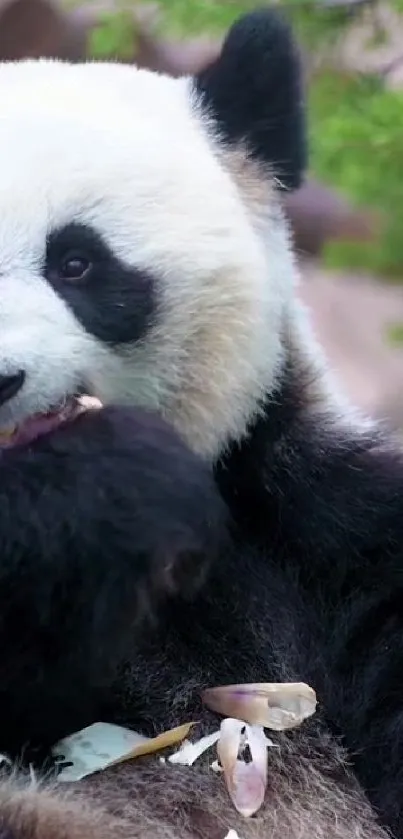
99	521
118	485
154	497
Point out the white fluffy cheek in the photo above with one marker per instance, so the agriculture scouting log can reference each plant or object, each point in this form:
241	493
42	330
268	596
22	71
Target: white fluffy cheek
40	335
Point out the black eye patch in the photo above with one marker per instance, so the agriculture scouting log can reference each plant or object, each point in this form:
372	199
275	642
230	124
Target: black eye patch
112	300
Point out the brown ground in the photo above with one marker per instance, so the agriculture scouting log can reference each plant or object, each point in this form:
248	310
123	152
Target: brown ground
351	315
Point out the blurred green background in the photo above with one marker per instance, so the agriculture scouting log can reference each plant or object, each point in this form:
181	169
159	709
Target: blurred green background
355	119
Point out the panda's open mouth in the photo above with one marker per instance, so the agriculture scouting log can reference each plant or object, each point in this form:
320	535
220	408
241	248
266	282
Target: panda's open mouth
39	425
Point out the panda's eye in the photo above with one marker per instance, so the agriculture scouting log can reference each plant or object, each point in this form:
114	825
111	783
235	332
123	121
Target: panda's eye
75	267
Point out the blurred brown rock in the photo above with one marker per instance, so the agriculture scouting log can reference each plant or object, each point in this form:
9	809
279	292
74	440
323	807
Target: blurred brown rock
318	214
37	28
42	28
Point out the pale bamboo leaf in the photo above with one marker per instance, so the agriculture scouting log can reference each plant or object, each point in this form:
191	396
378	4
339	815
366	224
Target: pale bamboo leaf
273	705
246	779
190	752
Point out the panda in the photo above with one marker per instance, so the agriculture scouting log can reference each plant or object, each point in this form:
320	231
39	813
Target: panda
225	516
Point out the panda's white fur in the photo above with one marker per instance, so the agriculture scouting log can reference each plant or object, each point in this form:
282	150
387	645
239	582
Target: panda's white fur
130	153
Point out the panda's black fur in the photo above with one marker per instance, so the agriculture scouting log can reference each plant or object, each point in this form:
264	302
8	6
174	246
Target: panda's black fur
134	573
57	499
235	90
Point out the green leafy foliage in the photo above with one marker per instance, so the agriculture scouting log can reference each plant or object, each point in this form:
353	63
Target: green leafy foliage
114	37
394	334
356	138
315	23
194	17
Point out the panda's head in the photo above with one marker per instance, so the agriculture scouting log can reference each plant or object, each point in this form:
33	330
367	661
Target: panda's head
143	252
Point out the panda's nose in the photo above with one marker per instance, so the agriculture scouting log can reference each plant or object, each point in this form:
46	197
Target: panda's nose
10	385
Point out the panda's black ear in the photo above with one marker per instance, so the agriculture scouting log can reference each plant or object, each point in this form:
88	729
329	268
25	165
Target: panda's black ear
253	91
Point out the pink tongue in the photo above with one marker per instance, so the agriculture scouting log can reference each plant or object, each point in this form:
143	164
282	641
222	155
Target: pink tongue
40	424
36	427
